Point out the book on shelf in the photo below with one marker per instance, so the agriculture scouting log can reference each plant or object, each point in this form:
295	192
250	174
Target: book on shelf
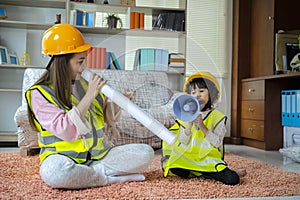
176	55
100	19
141	20
176	60
90	18
161	59
176	69
112	61
136	20
151	59
176	64
147	59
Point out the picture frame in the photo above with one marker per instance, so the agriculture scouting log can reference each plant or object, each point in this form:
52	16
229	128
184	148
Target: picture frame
3	14
13	58
4	59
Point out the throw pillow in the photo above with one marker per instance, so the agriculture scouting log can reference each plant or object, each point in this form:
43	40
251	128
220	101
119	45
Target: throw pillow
292	152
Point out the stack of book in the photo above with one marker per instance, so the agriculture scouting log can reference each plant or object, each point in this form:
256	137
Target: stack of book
137	20
96	58
99	58
170	21
82	18
176	62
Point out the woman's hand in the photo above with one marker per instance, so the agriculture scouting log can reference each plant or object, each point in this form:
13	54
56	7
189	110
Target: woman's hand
95	84
129	95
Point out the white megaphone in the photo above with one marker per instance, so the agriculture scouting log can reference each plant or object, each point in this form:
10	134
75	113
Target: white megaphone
186	107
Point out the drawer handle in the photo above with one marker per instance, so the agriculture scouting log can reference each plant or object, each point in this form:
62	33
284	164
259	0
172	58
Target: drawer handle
250	130
251	109
251	90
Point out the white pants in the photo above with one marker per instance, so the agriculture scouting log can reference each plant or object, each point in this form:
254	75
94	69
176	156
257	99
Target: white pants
121	164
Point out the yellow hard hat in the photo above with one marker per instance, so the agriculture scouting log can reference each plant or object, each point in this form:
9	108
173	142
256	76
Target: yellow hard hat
204	75
63	39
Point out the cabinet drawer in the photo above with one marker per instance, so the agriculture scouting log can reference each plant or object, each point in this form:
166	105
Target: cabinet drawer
253	90
253	110
252	129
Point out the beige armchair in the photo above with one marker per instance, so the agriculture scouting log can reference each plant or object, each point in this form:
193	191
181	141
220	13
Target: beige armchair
150	91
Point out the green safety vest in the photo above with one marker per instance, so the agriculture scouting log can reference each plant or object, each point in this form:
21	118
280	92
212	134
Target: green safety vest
93	147
198	155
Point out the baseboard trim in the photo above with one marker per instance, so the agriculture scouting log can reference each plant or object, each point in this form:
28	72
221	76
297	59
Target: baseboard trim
233	140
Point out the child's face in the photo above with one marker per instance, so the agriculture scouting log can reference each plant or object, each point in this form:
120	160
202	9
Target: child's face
201	93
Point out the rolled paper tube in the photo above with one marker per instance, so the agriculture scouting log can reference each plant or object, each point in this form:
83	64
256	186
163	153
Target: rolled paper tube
140	115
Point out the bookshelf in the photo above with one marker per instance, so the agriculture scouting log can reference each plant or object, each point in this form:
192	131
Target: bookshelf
28	19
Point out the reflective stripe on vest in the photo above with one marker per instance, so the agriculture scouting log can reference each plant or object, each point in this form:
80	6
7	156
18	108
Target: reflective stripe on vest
79	149
198	154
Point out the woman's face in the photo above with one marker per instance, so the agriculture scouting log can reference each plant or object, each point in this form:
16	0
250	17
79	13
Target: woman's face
77	64
201	94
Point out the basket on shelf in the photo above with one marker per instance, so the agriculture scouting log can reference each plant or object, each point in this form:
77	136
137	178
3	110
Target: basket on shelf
127	2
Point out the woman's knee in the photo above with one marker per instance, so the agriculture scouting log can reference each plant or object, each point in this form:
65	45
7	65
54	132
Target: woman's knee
54	169
139	151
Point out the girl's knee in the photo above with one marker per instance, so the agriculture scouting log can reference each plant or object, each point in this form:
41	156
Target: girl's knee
232	178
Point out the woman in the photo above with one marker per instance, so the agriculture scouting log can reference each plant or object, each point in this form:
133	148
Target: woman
198	150
68	113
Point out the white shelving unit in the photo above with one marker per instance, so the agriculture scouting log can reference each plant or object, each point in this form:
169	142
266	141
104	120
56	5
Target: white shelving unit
28	19
11	78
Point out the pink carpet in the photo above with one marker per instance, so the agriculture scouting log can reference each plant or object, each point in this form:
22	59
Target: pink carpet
20	179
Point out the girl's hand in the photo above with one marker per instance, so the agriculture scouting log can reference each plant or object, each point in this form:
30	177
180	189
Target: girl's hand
199	123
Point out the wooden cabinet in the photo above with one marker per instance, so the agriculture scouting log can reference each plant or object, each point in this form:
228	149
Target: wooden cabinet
253	115
255	23
267	17
261	110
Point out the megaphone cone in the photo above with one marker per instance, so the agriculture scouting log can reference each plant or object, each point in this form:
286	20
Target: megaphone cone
186	107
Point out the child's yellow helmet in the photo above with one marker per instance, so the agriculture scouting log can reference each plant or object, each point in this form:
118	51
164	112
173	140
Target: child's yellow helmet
63	39
203	75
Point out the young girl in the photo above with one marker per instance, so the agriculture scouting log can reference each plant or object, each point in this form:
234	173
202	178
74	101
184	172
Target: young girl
68	113
198	150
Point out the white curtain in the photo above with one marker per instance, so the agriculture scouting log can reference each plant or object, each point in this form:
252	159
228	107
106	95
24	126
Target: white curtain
207	36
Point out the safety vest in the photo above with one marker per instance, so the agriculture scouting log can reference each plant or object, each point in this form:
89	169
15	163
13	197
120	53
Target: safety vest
198	155
89	147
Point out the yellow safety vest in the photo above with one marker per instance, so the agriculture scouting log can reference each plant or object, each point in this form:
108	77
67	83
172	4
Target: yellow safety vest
91	147
198	155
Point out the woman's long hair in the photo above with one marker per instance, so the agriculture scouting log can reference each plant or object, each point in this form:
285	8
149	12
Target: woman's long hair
59	75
